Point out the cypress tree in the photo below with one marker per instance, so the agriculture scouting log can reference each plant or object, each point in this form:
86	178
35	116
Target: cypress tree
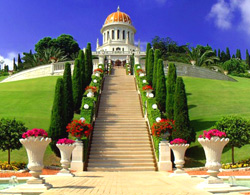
14	64
68	94
76	86
82	68
223	57
156	58
161	86
181	117
219	56
150	66
215	52
6	68
233	56
88	64
238	54
171	82
228	54
19	62
132	63
247	58
147	56
57	128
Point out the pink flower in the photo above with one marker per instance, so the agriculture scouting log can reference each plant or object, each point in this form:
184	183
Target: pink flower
65	141
178	141
35	132
213	133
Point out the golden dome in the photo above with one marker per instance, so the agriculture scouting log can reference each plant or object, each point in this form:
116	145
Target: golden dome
118	17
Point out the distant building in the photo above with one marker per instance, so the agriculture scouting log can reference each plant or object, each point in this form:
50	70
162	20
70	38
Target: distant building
118	43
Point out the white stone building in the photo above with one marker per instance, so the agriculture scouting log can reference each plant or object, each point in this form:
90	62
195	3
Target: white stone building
118	42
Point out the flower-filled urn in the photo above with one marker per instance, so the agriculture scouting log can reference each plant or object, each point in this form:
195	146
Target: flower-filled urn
90	91
66	146
179	147
163	128
35	142
213	142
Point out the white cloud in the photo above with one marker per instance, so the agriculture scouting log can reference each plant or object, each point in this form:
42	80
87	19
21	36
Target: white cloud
244	7
8	60
223	12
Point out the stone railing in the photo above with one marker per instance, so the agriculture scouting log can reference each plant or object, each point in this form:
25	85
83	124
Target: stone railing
39	71
199	72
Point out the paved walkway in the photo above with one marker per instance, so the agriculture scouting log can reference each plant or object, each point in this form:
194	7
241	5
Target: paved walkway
124	183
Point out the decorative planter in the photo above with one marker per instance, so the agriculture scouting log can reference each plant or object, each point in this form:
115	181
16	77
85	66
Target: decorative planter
35	147
213	150
90	94
65	151
97	74
179	154
164	136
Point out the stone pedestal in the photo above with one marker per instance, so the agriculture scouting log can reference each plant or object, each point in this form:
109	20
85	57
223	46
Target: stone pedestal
164	163
77	162
137	58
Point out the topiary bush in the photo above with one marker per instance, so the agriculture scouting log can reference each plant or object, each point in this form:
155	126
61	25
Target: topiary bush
237	130
87	113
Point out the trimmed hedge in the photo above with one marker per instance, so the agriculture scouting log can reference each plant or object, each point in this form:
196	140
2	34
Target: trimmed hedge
152	113
87	114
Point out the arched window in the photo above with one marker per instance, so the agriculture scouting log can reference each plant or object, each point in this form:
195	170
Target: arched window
113	34
123	34
118	34
128	35
108	36
104	36
118	49
122	49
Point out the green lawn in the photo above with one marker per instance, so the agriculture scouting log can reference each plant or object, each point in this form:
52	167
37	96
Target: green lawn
29	101
208	101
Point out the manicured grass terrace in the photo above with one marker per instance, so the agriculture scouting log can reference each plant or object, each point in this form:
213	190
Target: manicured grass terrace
31	101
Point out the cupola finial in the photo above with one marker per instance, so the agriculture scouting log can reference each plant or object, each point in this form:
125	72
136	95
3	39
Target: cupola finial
118	8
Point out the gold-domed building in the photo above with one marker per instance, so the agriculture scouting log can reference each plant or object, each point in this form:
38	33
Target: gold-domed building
118	42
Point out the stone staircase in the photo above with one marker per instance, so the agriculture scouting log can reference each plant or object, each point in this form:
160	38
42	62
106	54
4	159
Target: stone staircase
120	141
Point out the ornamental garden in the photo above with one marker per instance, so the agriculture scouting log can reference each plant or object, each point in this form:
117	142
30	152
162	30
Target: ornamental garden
165	104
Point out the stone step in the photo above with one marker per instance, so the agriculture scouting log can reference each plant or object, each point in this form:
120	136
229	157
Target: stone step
119	141
125	134
120	119
122	160
120	129
121	156
131	148
143	152
120	124
118	138
120	144
121	169
119	164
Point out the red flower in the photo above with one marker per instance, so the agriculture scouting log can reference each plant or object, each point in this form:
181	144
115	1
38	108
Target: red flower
147	87
79	128
163	126
98	70
94	89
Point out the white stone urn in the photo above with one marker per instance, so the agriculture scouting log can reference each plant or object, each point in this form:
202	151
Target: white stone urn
35	148
90	94
97	74
213	149
65	151
179	154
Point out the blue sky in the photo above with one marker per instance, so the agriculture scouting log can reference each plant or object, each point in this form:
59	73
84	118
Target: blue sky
219	23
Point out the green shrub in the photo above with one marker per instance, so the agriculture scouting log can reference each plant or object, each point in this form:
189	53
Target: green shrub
235	66
87	114
237	130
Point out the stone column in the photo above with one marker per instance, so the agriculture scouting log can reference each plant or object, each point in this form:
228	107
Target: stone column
164	163
77	162
127	60
101	59
52	68
137	58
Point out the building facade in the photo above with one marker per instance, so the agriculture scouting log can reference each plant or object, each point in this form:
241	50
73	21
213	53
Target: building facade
118	42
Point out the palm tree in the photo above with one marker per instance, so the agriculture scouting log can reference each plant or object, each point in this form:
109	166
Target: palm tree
196	57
